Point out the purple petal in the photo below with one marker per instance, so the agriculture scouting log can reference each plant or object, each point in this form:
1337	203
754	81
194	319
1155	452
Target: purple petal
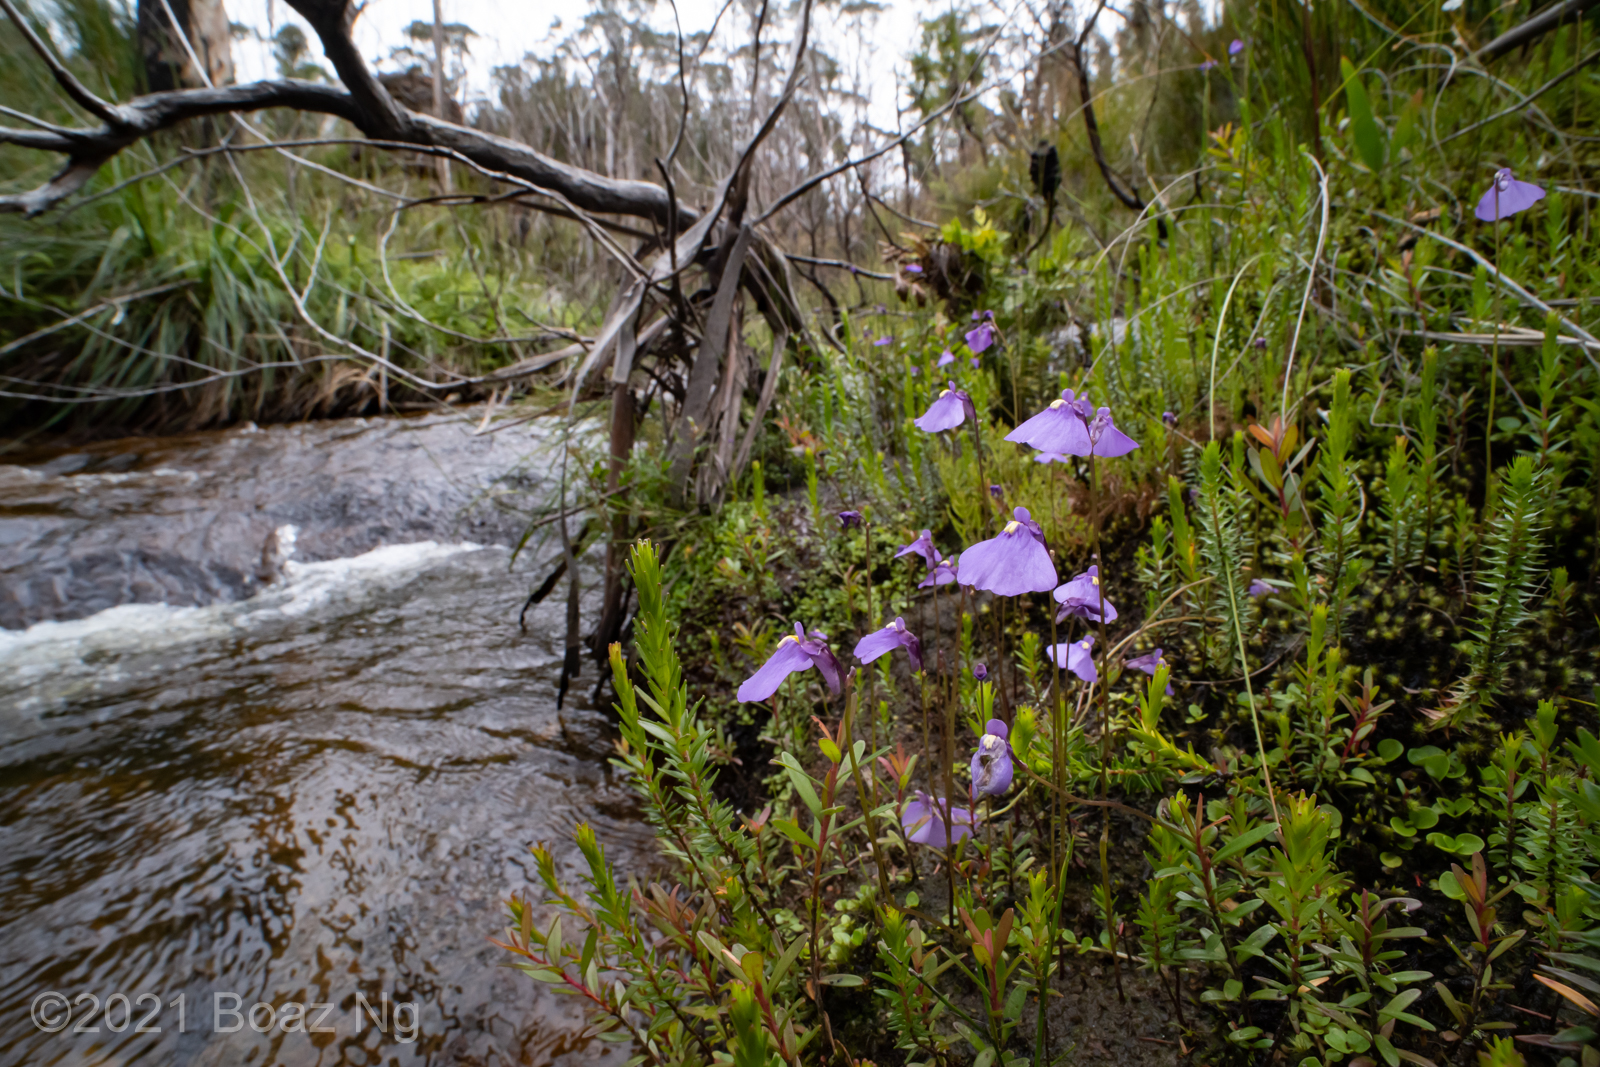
1235	47
945	413
788	659
877	643
946	358
1051	457
828	666
880	342
991	765
980	671
980	338
1506	197
921	545
942	573
912	268
1108	441
1058	428
1009	564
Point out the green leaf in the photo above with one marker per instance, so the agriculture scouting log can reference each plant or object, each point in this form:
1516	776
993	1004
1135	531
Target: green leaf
1406	127
1390	749
1245	840
844	980
1368	135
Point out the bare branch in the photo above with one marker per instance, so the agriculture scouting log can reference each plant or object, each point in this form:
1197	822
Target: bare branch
73	87
1537	26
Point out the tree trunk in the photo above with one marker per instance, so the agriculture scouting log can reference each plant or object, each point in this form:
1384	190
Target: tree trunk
166	61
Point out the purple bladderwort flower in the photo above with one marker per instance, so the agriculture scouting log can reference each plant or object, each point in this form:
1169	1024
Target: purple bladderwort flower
1083	596
916	371
943	572
951	409
980	671
884	340
1105	439
1077	657
881	310
921	545
1011	563
991	764
891	637
849	520
1194	494
1170	419
1506	197
980	338
1052	457
1058	428
796	652
997	492
1208	64
913	268
976	363
946	358
1148	663
931	821
1235	46
1259	589
1260	343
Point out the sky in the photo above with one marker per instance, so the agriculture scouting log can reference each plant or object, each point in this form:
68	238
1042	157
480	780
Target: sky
509	29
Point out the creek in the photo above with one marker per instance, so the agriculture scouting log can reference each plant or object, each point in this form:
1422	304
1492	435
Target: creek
270	734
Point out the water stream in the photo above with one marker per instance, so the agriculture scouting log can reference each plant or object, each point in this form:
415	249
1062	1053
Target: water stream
228	781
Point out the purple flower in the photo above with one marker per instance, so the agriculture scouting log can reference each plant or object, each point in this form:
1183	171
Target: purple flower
916	371
891	637
979	671
1209	64
976	363
1077	657
1083	596
1010	564
1506	197
991	764
980	337
1258	588
1170	419
1058	428
1235	47
997	492
849	520
1105	439
943	572
946	358
913	268
796	652
931	821
1260	343
1148	663
949	411
921	545
885	340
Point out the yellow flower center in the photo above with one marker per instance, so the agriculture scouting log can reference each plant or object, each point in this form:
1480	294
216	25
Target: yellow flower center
789	637
943	393
1012	527
1058	402
1085	645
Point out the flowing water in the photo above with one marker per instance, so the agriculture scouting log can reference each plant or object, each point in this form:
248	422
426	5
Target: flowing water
236	784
